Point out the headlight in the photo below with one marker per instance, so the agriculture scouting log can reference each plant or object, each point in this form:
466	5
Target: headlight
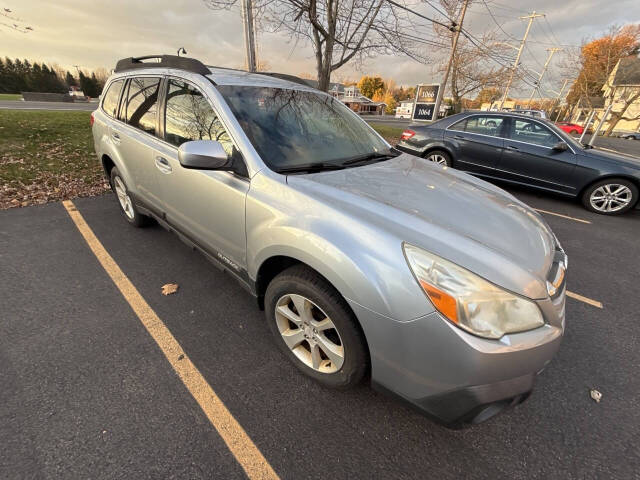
469	301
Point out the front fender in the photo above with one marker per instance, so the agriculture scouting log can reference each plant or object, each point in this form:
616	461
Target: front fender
365	265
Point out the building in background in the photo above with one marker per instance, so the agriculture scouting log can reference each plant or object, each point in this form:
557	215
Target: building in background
357	102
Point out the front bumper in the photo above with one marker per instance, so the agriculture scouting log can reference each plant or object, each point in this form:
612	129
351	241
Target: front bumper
450	374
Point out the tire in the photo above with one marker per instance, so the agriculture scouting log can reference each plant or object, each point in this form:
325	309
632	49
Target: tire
439	156
321	302
125	202
573	132
612	196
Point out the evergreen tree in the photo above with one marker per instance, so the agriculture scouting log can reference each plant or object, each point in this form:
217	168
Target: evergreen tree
70	80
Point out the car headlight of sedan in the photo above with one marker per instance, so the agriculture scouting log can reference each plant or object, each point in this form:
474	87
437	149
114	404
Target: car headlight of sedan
469	301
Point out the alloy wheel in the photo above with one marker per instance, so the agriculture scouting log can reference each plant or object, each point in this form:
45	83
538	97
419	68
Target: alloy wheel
123	197
309	333
437	158
611	197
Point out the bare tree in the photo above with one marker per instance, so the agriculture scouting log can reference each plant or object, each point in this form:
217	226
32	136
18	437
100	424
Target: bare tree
340	31
472	69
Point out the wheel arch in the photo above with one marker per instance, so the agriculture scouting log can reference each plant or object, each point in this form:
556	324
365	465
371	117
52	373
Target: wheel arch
444	148
276	264
622	176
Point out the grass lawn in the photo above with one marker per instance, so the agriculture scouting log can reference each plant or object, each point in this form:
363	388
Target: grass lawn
46	156
10	96
390	134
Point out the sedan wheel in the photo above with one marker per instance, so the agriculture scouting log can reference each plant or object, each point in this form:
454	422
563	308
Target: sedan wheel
309	333
611	197
439	157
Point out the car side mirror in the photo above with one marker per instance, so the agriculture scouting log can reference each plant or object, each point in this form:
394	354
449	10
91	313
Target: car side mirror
203	155
560	147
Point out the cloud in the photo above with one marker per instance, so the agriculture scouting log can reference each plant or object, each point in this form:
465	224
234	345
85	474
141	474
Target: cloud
97	34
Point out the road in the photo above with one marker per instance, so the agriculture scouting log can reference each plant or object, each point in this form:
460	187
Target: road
87	392
21	105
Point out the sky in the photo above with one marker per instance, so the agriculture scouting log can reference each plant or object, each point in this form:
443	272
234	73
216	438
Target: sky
96	34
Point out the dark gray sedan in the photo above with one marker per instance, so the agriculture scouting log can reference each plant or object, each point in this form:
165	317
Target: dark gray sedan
523	150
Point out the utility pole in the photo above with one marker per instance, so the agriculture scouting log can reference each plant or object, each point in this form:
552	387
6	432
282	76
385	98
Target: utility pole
515	64
557	102
544	69
454	28
249	34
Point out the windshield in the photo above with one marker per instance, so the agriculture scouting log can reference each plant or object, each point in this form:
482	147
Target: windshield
295	128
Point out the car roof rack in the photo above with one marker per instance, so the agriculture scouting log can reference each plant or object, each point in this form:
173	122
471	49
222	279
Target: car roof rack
165	61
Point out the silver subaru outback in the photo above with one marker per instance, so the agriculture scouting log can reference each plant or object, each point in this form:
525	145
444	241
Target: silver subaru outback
443	289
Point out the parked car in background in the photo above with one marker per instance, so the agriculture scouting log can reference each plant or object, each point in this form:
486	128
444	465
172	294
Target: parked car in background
522	150
570	128
532	113
630	135
366	260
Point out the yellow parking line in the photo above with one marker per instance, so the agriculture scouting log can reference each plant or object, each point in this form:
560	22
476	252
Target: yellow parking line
561	215
237	440
576	296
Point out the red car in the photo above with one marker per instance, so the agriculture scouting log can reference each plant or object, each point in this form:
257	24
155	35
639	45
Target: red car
570	128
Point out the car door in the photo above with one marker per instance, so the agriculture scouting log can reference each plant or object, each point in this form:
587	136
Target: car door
477	142
135	136
529	157
206	206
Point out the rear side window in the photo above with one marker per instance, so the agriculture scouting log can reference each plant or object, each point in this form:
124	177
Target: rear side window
110	102
482	125
141	105
189	116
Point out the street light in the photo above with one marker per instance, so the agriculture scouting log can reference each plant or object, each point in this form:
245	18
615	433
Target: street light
181	50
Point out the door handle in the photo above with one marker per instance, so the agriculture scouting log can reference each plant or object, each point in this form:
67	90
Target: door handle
460	136
162	164
511	147
116	137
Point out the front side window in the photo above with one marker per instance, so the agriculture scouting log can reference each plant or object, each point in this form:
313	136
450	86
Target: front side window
189	116
533	132
293	128
484	125
142	103
110	102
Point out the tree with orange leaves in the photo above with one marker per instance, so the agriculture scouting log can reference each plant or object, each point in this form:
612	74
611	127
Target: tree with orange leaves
597	59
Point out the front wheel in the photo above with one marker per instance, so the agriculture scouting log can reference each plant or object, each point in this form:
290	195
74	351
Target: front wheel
440	157
612	196
314	327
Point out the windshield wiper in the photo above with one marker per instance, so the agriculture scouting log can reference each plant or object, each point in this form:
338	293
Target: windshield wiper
310	167
368	157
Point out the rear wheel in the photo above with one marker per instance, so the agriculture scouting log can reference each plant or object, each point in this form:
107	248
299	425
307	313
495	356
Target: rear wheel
612	196
314	327
439	156
127	207
573	132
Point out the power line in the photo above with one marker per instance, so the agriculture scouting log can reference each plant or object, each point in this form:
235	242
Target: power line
418	14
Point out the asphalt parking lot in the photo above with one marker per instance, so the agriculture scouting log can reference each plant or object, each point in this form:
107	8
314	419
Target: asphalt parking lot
88	393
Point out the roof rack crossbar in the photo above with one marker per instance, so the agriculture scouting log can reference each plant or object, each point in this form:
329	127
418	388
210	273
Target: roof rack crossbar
166	61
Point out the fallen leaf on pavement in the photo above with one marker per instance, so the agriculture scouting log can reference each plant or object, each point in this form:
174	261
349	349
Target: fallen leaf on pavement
596	395
169	288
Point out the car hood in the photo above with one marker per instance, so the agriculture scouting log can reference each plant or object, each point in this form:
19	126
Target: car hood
618	157
440	209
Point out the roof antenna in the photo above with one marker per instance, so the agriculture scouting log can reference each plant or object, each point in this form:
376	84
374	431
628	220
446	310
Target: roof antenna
181	50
